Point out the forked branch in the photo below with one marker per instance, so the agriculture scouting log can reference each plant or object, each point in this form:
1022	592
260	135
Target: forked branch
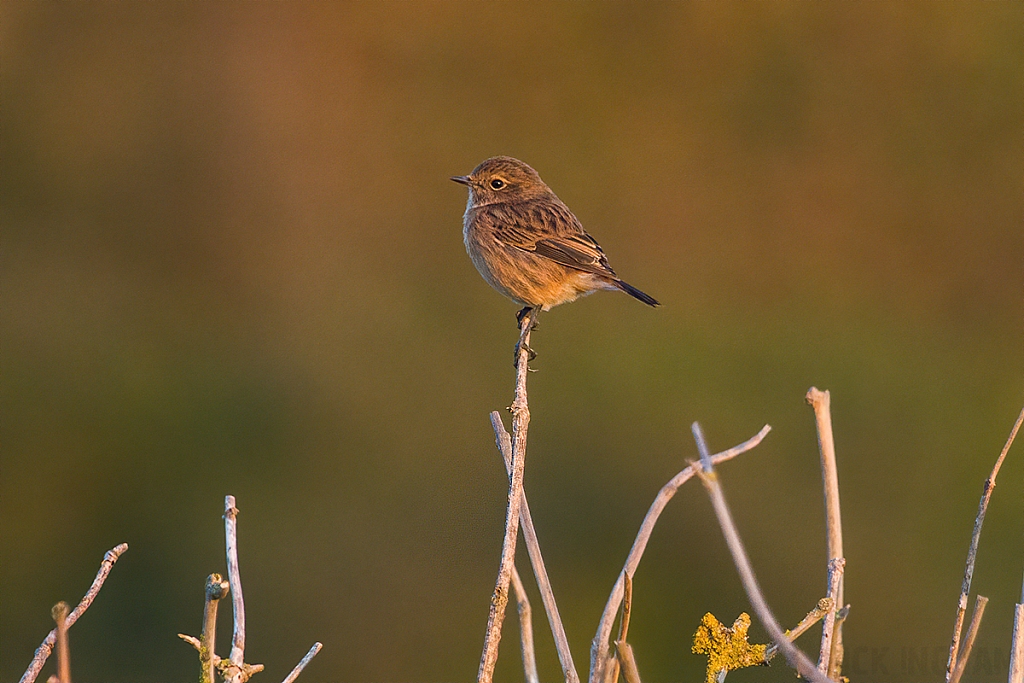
599	647
972	551
540	571
797	659
520	422
44	650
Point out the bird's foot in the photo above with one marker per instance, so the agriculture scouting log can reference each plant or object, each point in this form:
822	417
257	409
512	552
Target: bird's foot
530	354
523	312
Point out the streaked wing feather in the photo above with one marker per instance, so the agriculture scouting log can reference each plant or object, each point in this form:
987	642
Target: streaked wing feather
574	254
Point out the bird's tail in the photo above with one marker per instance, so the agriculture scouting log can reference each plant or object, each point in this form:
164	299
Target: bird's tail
636	293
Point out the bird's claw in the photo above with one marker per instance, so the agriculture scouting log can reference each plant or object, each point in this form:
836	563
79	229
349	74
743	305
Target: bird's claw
530	354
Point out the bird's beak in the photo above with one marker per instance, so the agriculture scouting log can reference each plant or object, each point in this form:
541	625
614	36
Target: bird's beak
461	179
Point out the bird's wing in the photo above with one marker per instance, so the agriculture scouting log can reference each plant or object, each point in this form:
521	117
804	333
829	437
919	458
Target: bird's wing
553	232
579	252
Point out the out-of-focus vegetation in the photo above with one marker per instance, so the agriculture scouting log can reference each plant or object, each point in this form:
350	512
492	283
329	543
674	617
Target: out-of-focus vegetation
232	263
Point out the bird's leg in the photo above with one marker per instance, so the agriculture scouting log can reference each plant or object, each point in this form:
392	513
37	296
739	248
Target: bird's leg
524	332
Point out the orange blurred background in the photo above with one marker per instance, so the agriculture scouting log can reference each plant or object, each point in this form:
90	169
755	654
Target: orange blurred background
232	263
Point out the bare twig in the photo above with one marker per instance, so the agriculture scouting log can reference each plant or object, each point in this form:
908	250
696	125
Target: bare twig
829	630
624	654
823	607
235	579
302	664
972	552
1017	645
599	646
540	571
44	650
797	659
627	606
60	616
194	642
525	628
520	422
972	633
216	589
821	402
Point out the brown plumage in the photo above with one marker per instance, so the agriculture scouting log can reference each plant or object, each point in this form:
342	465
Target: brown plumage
527	244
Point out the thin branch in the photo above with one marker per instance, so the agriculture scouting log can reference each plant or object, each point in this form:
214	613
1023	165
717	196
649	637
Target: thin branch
520	422
972	552
797	659
627	607
540	571
821	402
44	650
824	606
829	631
60	616
216	589
599	646
1017	645
302	664
624	653
525	628
235	579
972	633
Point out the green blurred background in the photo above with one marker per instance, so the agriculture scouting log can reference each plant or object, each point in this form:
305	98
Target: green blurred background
232	263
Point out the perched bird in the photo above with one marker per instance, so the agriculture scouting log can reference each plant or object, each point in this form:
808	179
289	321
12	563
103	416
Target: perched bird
527	244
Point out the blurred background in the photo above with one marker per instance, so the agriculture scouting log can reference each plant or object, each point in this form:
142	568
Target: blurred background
232	263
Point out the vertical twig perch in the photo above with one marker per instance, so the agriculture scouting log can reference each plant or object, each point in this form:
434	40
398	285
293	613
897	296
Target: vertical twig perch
972	551
536	559
797	659
821	402
520	421
44	650
599	646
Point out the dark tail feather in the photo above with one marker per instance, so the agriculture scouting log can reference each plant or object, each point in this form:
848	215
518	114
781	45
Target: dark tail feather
636	293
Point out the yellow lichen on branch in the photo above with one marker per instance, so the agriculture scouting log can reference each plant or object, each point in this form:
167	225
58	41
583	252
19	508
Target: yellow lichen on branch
727	648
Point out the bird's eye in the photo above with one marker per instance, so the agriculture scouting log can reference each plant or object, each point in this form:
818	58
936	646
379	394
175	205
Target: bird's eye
497	183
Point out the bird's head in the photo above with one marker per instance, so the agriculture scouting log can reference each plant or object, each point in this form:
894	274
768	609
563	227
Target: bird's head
501	180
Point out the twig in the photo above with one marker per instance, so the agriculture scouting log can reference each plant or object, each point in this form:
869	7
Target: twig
627	607
537	560
60	616
972	552
824	606
1017	645
525	628
821	402
235	579
797	659
216	589
520	422
829	629
972	632
624	653
624	660
302	664
44	650
599	646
